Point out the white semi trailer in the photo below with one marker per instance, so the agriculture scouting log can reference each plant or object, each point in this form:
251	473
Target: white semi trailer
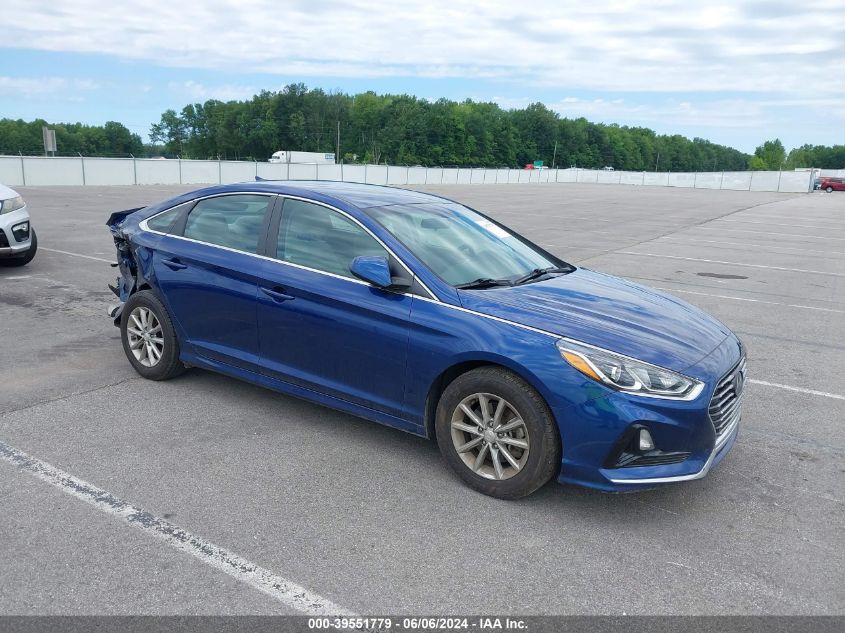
286	156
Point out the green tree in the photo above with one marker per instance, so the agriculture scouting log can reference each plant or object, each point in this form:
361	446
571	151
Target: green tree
171	131
770	155
403	129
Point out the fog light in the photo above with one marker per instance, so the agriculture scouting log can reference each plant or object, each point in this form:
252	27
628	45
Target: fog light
21	231
646	443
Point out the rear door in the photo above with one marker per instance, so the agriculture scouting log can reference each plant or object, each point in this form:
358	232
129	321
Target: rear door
207	269
320	327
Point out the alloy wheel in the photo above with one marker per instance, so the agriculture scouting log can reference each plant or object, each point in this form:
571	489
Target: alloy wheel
490	436
145	336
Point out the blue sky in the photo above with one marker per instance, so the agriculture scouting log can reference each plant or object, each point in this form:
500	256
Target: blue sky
736	73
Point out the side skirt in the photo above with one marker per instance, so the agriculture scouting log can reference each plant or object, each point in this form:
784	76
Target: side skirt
303	393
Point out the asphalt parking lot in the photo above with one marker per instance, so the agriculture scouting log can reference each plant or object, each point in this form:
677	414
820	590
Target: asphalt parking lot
368	517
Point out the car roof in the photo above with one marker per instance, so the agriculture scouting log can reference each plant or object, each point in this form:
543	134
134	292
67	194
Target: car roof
355	194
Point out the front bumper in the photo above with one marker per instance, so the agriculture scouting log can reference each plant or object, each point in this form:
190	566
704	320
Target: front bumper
723	445
591	432
11	245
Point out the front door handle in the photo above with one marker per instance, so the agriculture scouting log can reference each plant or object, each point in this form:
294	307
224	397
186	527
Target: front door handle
276	294
174	264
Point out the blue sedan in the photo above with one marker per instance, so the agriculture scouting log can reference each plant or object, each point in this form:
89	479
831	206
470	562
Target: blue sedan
422	314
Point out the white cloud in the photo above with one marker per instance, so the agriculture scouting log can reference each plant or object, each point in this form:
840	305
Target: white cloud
778	58
615	46
55	87
739	122
720	113
200	92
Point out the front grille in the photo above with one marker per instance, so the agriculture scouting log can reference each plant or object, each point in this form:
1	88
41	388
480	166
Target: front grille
4	241
654	458
726	403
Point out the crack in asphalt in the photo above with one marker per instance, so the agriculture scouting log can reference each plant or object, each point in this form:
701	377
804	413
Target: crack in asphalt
67	396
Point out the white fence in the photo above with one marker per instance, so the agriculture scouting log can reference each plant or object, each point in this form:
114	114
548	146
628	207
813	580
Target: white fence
40	170
830	173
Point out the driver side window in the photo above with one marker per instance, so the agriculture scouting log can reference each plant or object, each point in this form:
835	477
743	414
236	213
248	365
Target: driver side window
316	237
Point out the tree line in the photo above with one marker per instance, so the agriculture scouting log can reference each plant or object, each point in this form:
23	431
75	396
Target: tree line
111	139
406	130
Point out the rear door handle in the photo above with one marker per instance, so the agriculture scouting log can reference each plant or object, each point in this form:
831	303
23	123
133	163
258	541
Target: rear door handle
276	294
174	264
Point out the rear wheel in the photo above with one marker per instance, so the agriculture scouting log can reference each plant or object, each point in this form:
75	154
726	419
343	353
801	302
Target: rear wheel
149	338
23	260
497	434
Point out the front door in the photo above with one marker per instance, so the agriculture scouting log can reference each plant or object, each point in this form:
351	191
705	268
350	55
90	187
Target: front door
321	328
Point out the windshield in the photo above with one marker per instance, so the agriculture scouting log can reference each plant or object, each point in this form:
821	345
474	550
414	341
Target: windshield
460	245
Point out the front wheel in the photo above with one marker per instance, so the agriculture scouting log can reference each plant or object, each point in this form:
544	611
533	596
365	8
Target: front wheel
149	338
497	434
829	189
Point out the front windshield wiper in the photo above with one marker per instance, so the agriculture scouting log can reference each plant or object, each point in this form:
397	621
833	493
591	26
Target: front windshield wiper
540	272
483	282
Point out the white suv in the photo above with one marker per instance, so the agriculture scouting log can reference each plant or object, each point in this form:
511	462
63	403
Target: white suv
17	237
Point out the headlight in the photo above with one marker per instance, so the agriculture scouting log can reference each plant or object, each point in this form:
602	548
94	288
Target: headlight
628	374
11	204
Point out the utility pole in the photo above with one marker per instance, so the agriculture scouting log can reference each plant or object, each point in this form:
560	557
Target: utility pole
657	162
554	156
337	154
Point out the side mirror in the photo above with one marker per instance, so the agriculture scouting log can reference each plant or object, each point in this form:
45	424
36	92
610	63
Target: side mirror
375	270
372	269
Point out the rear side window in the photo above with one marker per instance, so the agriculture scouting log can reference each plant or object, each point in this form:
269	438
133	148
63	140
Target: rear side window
316	237
231	221
164	222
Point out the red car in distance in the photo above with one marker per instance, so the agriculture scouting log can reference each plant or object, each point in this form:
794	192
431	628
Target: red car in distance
832	184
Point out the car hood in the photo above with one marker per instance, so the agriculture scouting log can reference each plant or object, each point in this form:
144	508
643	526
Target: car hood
609	312
6	192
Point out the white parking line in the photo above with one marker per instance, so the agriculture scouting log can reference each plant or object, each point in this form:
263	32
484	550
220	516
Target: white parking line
774	303
281	589
716	261
745	245
793	225
96	259
811	392
792	235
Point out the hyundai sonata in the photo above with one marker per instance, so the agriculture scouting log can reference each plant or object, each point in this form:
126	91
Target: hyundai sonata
422	314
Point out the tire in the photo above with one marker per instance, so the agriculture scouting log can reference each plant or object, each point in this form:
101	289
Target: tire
537	462
23	260
149	339
829	189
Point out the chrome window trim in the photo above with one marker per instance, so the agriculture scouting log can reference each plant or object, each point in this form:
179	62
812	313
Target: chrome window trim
433	299
145	227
